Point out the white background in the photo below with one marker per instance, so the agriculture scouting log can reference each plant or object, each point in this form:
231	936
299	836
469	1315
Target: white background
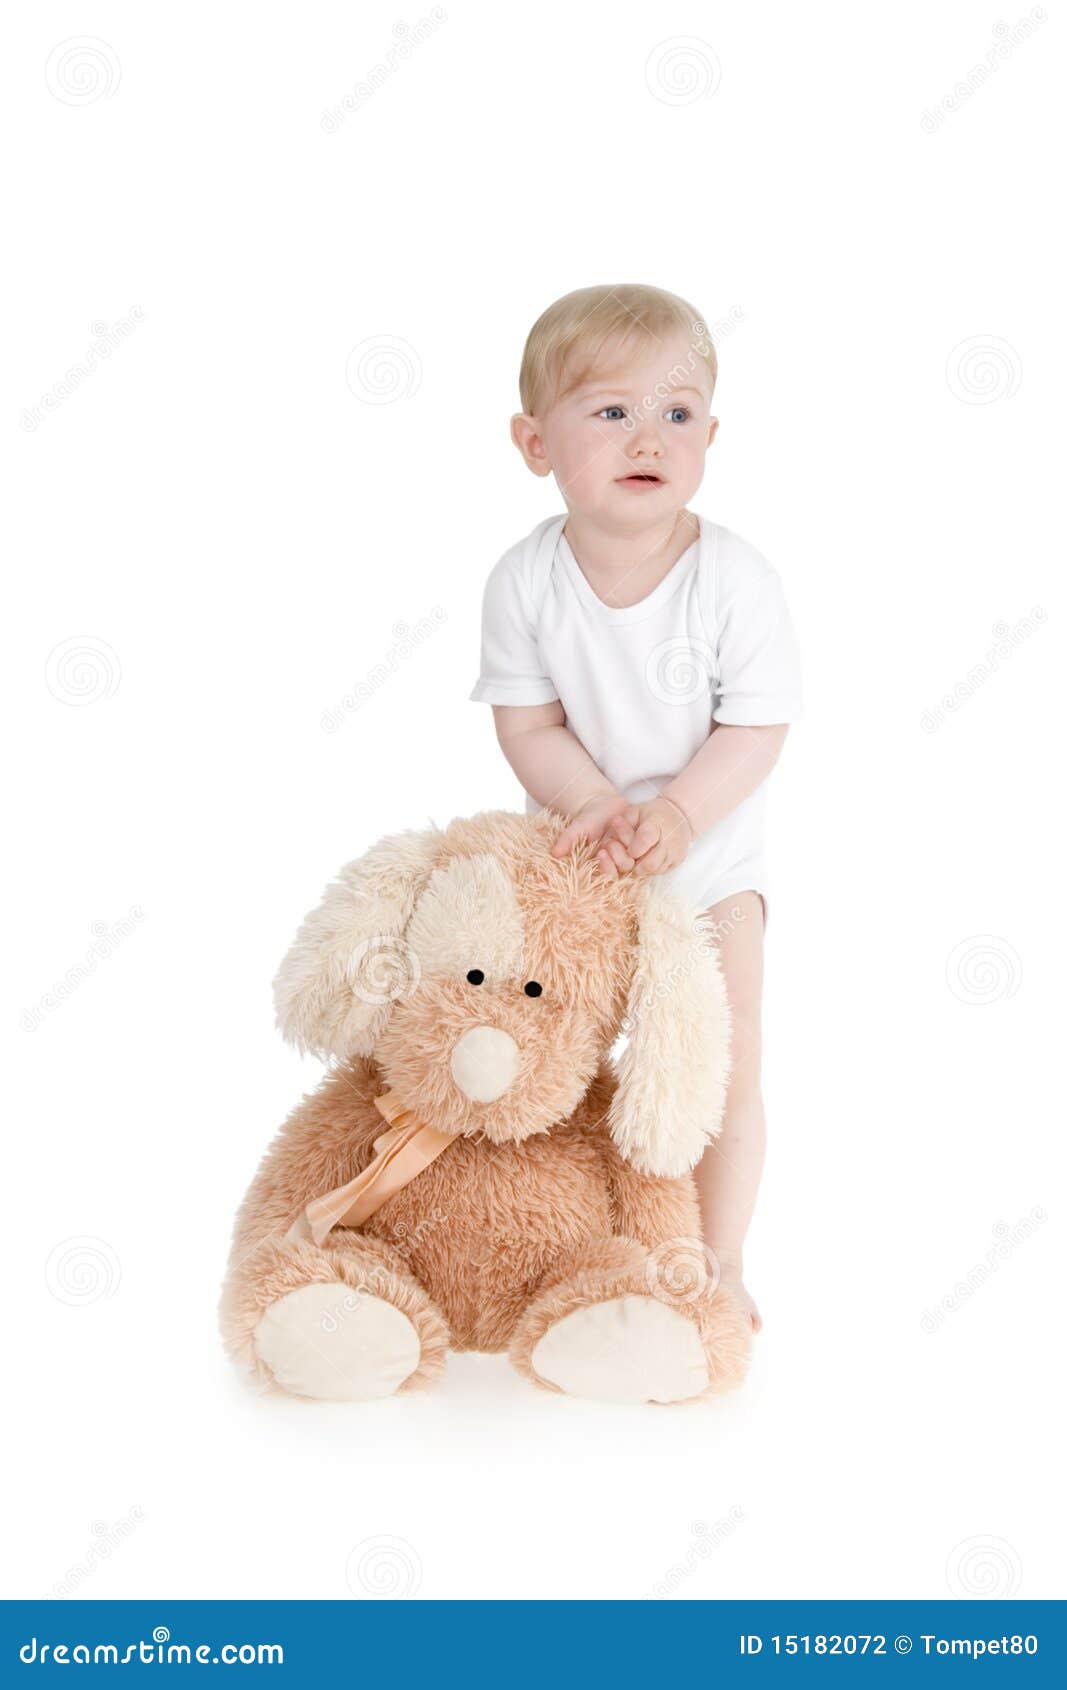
235	533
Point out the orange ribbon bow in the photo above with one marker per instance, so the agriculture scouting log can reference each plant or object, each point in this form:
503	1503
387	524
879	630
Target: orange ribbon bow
404	1151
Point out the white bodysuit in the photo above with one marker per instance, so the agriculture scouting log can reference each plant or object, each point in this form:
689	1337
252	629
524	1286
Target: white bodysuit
643	686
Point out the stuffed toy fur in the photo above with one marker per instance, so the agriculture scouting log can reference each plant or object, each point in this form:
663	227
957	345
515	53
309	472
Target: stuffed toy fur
561	1224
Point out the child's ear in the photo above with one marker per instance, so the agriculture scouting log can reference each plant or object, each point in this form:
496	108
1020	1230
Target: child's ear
349	963
526	435
673	1074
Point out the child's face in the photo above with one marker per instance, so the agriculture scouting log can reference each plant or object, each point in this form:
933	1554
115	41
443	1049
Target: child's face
647	414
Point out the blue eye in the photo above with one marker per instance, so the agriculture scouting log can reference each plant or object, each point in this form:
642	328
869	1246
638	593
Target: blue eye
675	408
610	408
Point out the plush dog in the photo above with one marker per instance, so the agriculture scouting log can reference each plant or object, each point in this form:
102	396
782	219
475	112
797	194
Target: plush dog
533	1193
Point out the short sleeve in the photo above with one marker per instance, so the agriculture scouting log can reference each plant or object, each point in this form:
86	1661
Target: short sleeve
759	659
512	671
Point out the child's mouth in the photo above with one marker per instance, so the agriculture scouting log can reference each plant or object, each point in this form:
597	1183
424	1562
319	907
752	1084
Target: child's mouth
642	479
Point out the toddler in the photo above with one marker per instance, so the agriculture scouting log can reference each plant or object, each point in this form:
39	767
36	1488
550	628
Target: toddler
641	662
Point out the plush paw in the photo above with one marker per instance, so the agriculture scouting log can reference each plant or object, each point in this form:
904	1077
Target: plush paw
324	1341
627	1349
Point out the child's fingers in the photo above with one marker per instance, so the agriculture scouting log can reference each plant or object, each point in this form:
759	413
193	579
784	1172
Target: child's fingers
619	855
653	861
645	837
621	829
567	838
606	864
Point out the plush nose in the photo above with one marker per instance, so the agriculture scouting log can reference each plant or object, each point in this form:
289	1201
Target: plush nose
484	1063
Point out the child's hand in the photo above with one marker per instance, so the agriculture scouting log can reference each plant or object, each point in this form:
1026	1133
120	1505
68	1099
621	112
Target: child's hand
592	823
656	835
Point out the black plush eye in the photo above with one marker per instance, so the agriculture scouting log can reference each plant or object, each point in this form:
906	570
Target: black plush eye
475	976
532	989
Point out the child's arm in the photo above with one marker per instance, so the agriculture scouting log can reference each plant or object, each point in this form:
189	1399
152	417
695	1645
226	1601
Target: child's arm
555	768
724	772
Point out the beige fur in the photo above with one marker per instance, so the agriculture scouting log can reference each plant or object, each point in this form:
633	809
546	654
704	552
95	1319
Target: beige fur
570	1187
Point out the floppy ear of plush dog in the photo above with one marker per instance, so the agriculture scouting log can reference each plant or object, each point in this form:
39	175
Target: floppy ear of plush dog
365	948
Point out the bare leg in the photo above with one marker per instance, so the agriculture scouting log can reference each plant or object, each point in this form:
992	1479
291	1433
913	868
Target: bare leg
728	1174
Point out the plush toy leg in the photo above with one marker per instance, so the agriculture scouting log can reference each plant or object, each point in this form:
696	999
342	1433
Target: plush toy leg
347	1322
601	1325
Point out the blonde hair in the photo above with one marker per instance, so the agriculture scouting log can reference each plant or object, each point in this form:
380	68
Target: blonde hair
567	341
